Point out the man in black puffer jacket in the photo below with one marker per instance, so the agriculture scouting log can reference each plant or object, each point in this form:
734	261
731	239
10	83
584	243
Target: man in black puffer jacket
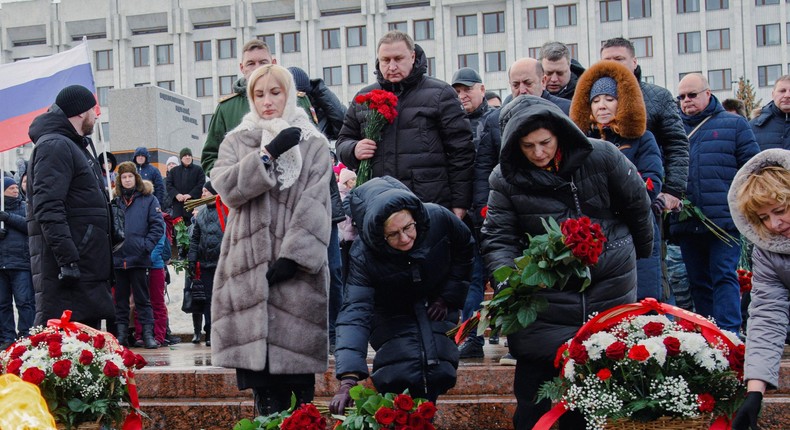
662	120
561	174
429	146
408	278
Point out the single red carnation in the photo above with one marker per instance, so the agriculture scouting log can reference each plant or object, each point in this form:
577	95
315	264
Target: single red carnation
653	329
61	368
54	349
34	375
140	362
385	416
638	353
604	374
36	339
673	346
616	351
401	417
18	351
111	370
403	402
687	325
84	337
706	402
86	357
427	410
128	358
578	352
14	366
560	352
98	342
360	99
54	338
416	421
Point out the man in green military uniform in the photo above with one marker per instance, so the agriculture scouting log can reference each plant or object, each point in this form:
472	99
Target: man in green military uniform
231	109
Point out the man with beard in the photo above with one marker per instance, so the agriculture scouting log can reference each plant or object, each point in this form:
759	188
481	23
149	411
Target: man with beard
68	214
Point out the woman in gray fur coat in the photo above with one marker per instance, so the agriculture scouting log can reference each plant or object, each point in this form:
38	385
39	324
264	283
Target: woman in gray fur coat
759	201
269	306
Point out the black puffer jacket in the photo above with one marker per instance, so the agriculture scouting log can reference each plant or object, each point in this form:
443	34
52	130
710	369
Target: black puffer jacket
667	127
143	227
487	136
204	245
184	180
68	221
772	128
428	147
595	180
14	249
328	109
388	290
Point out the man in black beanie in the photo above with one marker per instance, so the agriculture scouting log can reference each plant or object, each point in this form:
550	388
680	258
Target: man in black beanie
70	244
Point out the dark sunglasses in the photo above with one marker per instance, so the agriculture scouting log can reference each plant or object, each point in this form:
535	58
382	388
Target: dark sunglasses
692	96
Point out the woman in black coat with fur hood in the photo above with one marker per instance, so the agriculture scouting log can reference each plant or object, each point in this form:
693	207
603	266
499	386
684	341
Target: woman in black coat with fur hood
549	168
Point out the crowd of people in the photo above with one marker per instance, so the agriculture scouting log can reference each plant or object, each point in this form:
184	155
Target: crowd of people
299	261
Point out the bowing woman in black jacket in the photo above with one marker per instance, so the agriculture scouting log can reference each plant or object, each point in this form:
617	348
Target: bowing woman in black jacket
408	279
549	168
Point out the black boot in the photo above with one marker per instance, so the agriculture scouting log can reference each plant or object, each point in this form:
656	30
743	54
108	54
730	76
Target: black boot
208	337
123	333
196	320
148	337
267	401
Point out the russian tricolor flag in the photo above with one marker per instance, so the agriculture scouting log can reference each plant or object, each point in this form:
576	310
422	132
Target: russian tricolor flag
29	87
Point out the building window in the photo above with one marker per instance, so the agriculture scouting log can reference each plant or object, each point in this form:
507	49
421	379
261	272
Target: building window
469	60
611	10
164	54
467	25
538	18
689	42
333	75
268	39
638	9
400	26
643	46
687	6
574	50
357	74
102	93
767	75
226	48
495	61
423	29
140	56
432	66
650	79
203	87
104	60
769	34
105	131
765	2
720	79
356	36
535	52
330	38
168	85
203	50
142	84
494	22
717	4
207	121
226	85
718	39
565	15
290	42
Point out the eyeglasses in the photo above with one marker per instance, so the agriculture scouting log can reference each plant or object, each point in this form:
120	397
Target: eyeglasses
408	230
692	96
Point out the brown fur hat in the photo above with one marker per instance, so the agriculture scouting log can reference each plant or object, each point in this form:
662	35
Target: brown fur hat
128	167
631	114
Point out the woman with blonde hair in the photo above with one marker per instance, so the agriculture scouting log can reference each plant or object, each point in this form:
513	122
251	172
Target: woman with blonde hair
269	304
759	200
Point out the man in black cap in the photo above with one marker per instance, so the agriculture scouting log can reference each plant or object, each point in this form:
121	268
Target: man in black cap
486	137
68	214
184	182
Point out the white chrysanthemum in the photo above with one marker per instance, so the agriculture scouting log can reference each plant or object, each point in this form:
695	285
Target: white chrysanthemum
597	343
655	346
711	359
691	343
568	370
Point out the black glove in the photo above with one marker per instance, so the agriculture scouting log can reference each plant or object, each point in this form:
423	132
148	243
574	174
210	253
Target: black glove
284	141
282	270
192	268
437	311
342	399
746	417
4	216
658	205
69	272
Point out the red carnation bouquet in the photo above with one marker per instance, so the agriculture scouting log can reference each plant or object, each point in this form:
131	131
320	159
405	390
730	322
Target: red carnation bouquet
84	375
382	110
374	411
306	417
565	252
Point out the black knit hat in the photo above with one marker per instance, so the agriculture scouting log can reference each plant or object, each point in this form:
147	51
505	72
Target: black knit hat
210	188
74	100
301	79
184	152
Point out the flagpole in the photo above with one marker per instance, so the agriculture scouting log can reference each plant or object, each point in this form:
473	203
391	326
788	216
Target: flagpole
105	161
2	176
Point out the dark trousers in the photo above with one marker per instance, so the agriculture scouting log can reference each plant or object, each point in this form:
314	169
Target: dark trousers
16	286
207	276
530	375
135	282
335	282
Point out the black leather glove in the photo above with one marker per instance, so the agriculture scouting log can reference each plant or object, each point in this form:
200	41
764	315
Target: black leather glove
437	311
282	270
69	272
284	141
746	417
342	398
4	216
658	205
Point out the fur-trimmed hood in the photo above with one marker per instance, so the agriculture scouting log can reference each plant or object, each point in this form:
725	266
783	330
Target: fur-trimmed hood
774	243
631	114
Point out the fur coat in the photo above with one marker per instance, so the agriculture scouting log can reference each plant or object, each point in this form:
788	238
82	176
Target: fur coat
253	322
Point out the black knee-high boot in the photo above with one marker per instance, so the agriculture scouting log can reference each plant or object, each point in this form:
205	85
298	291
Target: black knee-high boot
267	401
197	320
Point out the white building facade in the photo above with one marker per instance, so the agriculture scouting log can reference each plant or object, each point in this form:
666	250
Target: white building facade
192	47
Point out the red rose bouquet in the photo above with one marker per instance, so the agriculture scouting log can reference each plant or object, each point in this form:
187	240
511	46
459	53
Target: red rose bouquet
625	365
374	411
306	417
83	374
551	260
382	110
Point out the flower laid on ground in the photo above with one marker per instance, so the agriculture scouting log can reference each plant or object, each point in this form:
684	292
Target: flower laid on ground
373	411
83	374
646	367
565	252
382	110
306	417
